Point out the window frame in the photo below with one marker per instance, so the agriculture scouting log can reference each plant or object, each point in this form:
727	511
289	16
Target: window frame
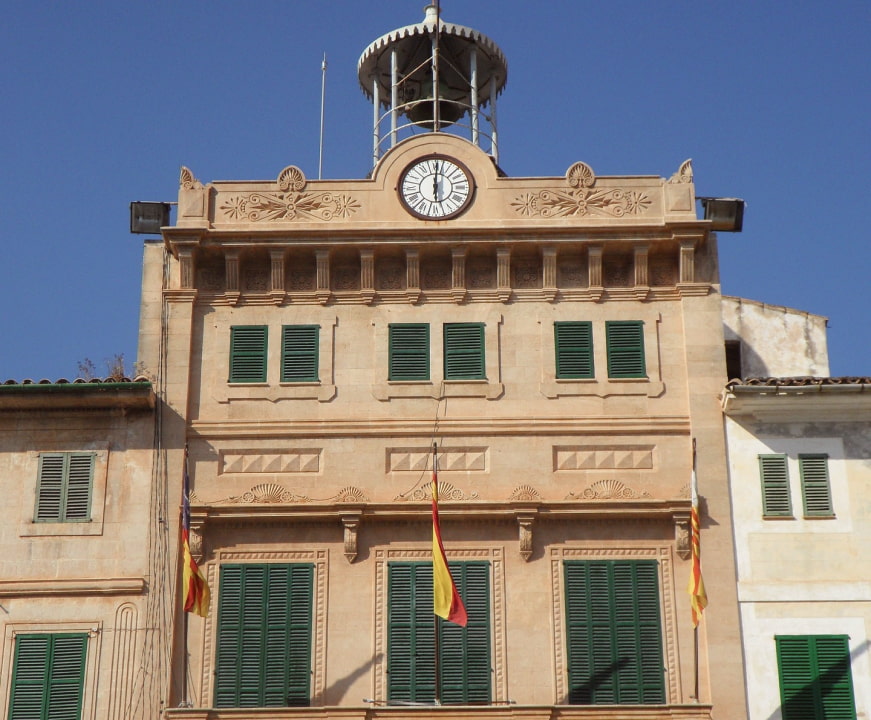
410	620
52	675
806	686
464	347
305	349
579	349
775	486
816	487
586	617
255	373
293	678
66	485
401	355
625	351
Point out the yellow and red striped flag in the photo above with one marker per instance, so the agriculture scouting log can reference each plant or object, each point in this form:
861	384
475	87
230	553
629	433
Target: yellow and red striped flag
696	587
447	602
195	589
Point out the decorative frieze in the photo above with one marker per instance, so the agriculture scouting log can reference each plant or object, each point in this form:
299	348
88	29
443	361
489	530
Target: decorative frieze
603	458
447	493
607	490
279	461
450	459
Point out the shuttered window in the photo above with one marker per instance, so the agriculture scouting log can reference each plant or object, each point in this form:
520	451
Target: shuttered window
464	653
299	353
63	492
815	489
775	486
264	648
614	632
815	677
248	353
464	351
574	349
625	349
48	677
409	351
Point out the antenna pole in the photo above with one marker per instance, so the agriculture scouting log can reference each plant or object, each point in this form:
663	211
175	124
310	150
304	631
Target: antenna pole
435	70
323	94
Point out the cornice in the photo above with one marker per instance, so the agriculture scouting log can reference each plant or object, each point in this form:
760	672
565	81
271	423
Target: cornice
77	586
417	427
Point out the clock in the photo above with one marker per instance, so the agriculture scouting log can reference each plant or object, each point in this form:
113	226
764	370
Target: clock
435	188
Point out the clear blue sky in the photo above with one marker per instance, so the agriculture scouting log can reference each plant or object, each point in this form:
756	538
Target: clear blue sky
103	101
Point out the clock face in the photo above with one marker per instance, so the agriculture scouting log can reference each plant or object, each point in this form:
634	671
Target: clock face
435	188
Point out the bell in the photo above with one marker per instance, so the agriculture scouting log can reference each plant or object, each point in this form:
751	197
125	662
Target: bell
451	106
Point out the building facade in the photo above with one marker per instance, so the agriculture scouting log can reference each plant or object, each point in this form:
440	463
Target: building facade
557	339
798	449
79	545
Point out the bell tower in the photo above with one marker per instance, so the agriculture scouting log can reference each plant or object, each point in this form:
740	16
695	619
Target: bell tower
433	77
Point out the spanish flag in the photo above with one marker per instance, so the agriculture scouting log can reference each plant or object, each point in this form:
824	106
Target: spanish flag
696	587
195	590
447	602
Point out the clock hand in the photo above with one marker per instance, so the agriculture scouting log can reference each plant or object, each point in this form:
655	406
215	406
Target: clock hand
435	183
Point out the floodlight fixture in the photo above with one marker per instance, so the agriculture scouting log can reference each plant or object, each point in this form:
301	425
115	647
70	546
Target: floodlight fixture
146	218
726	214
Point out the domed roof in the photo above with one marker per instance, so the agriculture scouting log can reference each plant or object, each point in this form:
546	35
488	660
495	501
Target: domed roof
413	47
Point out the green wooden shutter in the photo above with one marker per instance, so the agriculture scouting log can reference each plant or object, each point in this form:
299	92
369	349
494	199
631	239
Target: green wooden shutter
64	486
248	354
299	353
815	677
574	349
465	651
264	635
625	340
464	351
614	632
408	351
815	489
775	486
48	677
410	633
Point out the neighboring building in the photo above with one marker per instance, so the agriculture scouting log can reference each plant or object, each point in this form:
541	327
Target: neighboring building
799	449
559	338
80	540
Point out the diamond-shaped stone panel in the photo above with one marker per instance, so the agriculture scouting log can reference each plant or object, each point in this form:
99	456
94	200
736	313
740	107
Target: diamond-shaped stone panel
289	461
601	458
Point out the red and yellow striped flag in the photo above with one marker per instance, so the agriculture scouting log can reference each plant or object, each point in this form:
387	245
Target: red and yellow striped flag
195	589
696	587
447	602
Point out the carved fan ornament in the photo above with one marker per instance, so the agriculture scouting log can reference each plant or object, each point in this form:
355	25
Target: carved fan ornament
684	173
580	175
446	492
527	493
607	490
291	178
187	180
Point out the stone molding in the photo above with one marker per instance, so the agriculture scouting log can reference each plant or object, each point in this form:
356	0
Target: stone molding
76	586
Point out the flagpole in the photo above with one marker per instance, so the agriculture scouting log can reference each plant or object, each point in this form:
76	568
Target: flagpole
184	631
435	618
696	626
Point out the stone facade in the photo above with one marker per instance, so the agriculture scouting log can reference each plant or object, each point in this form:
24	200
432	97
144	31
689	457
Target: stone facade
537	469
75	565
802	569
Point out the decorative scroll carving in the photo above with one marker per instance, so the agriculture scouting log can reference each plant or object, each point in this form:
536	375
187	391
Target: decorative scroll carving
256	279
187	180
525	492
682	537
437	274
291	178
268	493
684	173
284	461
446	492
524	529
580	175
527	273
609	202
603	458
195	542
617	271
350	525
292	205
608	490
345	277
572	273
